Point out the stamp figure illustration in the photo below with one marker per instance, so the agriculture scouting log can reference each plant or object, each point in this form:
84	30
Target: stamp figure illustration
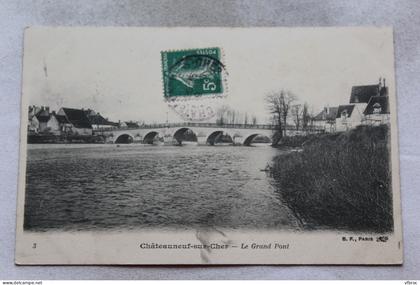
194	82
194	72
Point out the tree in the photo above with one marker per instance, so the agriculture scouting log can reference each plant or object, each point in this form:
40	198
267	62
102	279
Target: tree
279	104
297	115
222	114
233	117
306	116
254	120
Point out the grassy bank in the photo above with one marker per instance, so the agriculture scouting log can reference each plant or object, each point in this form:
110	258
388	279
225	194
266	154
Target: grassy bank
339	181
296	141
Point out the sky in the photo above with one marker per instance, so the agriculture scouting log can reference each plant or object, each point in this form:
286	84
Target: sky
117	71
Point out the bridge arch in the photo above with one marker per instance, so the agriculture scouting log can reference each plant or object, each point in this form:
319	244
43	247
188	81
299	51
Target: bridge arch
218	136
184	134
124	139
249	139
150	137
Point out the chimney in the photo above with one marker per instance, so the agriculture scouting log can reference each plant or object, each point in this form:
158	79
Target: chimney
47	109
384	90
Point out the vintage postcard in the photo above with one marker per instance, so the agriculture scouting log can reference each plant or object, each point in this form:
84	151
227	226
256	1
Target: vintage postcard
208	146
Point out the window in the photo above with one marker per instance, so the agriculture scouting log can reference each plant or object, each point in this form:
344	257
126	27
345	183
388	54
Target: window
377	108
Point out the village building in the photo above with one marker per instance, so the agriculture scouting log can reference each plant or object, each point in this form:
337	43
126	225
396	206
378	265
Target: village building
53	124
326	119
97	121
65	125
132	125
43	116
348	117
377	111
75	121
357	112
122	124
33	123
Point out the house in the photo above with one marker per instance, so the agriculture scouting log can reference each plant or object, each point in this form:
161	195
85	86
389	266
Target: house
75	120
122	124
97	121
377	110
53	124
65	126
43	117
33	123
132	125
326	119
348	117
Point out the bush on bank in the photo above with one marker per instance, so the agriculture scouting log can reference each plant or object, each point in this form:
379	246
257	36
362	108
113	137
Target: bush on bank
339	181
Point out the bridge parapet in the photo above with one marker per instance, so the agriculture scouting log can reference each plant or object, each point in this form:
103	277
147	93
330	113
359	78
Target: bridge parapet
209	125
204	132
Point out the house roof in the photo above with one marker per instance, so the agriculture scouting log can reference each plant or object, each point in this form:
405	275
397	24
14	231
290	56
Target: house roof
362	94
342	108
78	118
97	119
43	116
62	119
132	125
328	113
379	101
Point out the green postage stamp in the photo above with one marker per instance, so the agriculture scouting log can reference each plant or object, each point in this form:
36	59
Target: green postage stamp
193	72
194	82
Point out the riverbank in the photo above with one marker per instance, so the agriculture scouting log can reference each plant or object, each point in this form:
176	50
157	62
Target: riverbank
339	181
64	139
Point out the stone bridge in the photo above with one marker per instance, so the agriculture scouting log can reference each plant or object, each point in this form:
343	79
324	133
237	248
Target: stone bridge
206	133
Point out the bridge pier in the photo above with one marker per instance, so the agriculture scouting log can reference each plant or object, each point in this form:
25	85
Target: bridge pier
202	140
238	140
168	140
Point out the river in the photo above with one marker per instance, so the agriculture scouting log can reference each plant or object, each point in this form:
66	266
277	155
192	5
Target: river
105	187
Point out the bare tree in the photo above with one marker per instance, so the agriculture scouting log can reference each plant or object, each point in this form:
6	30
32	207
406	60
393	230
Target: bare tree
306	116
222	115
279	104
233	117
297	115
254	120
227	115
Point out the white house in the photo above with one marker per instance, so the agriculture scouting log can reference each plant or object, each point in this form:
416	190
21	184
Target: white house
326	119
53	124
33	124
377	111
348	117
363	101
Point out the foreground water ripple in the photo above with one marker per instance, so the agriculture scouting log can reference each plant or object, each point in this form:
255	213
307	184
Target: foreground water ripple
100	187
